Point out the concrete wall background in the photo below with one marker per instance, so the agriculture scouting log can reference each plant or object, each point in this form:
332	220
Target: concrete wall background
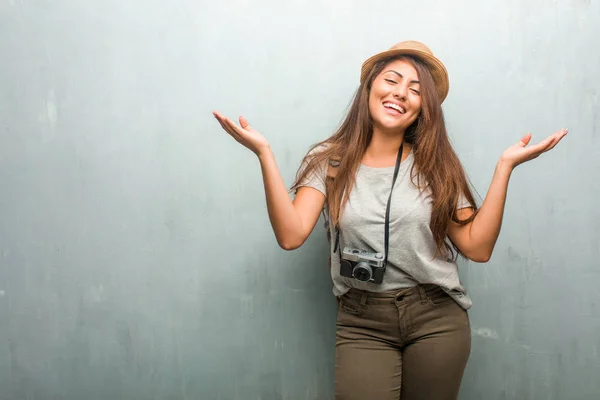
136	257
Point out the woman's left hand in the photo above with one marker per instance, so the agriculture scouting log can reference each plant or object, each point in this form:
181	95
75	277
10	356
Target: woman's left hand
520	152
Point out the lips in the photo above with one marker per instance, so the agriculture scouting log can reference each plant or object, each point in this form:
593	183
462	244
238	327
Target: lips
394	108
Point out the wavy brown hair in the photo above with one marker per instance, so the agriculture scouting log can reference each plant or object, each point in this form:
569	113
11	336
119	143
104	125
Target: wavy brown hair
436	165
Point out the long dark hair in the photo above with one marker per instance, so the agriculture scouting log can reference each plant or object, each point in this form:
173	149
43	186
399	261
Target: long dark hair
436	165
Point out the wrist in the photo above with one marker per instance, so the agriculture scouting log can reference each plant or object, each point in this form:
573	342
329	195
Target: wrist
504	165
264	152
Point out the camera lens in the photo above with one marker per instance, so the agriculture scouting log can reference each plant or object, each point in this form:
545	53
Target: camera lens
362	272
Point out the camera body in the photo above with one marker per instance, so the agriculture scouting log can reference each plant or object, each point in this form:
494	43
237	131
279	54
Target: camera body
362	265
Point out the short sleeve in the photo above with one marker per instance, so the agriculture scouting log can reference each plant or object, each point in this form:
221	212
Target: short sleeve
463	202
315	178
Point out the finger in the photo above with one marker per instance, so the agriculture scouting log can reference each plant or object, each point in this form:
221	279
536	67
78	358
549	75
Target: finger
555	138
525	140
218	115
244	123
231	126
547	144
559	134
544	144
558	137
533	151
227	129
220	119
562	133
223	122
234	127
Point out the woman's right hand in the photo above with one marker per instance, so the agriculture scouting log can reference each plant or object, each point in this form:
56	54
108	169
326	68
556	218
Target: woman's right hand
244	134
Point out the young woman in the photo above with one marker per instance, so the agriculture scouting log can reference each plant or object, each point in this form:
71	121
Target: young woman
400	211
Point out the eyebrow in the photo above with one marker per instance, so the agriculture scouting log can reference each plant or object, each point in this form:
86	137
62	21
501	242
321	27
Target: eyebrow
400	75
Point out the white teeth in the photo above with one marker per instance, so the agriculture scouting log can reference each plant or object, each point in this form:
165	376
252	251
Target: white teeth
395	107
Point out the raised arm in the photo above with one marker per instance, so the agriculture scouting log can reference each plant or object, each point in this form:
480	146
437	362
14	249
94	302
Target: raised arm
292	221
476	240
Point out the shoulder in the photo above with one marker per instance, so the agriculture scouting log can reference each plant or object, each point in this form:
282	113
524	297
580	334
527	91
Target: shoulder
317	158
320	148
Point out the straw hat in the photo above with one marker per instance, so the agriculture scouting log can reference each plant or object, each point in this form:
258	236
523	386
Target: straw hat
419	51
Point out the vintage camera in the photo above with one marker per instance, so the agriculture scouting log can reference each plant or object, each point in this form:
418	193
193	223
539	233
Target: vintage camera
362	265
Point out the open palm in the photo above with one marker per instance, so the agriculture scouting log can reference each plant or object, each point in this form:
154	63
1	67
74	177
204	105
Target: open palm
243	133
520	152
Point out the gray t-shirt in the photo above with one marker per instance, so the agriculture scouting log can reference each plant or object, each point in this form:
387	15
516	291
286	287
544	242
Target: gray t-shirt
412	249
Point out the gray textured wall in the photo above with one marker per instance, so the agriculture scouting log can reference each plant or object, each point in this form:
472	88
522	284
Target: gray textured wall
136	257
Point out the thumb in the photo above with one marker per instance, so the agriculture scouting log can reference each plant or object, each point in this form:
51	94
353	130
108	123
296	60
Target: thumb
525	140
244	123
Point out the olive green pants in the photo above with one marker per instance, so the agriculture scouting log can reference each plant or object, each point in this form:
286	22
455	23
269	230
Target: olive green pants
411	344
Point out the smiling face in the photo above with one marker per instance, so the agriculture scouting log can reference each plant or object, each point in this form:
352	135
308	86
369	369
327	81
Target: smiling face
395	97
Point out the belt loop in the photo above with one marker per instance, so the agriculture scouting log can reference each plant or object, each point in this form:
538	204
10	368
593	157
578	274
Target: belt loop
363	299
422	294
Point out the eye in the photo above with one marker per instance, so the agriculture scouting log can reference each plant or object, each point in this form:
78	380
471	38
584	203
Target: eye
415	91
391	81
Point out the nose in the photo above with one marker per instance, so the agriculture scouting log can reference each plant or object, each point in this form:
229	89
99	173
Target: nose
400	92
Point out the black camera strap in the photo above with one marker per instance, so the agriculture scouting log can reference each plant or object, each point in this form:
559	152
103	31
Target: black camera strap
387	209
387	214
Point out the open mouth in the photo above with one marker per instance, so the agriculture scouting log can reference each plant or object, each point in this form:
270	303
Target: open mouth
394	108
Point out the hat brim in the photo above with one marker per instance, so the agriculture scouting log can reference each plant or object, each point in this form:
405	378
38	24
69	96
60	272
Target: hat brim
435	66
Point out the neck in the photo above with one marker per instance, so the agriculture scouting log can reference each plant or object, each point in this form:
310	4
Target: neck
383	147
